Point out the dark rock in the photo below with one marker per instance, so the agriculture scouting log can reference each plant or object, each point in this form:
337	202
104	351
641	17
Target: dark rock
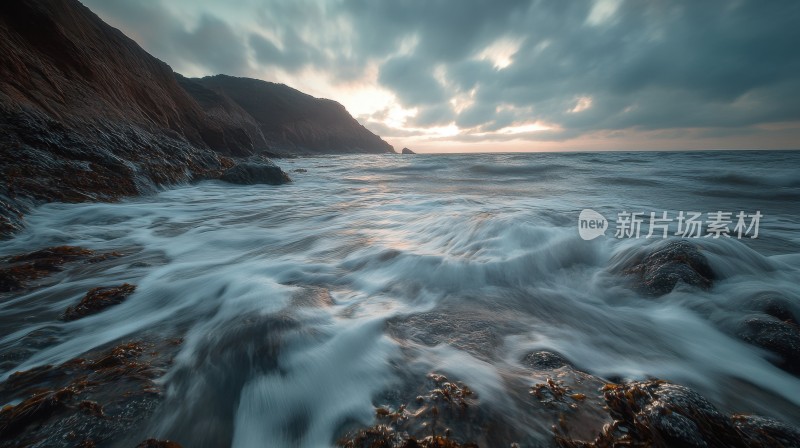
424	424
660	414
155	443
89	401
775	305
670	263
87	115
98	299
17	271
407	151
779	337
761	431
38	407
300	170
544	360
249	173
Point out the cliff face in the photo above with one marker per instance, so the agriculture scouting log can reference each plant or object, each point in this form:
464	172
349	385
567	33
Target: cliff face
292	122
87	114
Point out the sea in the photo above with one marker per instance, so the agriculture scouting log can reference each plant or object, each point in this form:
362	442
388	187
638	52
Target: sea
303	306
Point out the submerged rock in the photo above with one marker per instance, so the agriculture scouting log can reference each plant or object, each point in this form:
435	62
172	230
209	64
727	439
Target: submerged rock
670	263
249	173
544	360
88	401
98	299
781	338
423	425
660	414
18	271
777	306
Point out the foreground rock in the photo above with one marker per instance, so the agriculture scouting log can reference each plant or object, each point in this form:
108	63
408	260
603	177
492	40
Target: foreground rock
781	338
98	299
660	414
433	413
92	401
675	261
583	411
250	173
18	271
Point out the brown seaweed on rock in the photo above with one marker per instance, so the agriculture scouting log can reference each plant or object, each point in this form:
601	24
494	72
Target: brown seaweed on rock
85	401
18	271
660	414
98	299
423	426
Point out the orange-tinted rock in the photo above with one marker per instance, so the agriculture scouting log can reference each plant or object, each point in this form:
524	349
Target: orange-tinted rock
89	401
17	271
98	299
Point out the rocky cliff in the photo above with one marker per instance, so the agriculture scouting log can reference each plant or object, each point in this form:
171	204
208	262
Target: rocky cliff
87	114
289	121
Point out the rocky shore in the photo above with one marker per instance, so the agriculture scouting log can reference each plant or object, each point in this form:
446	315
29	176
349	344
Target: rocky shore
88	115
107	394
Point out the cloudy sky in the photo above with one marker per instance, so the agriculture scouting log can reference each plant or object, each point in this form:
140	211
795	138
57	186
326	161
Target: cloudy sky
508	75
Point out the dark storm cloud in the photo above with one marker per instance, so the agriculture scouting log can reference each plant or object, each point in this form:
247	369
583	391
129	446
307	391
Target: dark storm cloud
412	79
651	65
209	42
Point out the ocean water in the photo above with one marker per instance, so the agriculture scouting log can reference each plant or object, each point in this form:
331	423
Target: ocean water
303	306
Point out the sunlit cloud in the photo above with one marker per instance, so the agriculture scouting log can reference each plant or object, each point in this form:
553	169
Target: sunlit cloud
501	52
584	102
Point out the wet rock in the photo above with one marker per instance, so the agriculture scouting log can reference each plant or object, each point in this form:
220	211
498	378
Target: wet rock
777	336
89	401
300	170
407	151
98	299
155	443
761	431
18	271
424	424
668	264
544	360
249	173
217	373
477	332
775	305
659	414
14	419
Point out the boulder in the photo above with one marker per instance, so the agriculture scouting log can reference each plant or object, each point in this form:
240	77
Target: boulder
779	337
407	151
669	263
249	173
660	414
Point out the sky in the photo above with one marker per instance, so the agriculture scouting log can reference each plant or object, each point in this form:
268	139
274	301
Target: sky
506	75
